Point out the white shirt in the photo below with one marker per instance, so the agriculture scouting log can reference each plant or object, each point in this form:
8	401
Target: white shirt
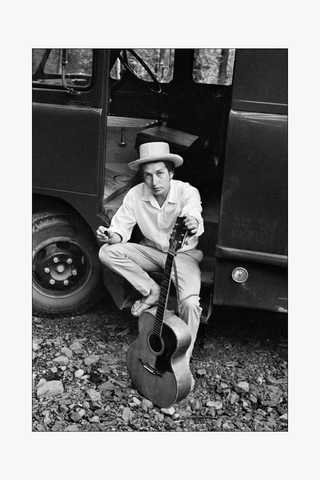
156	223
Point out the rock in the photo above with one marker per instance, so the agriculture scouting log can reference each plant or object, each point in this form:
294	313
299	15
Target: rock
197	405
94	419
72	428
36	344
284	416
61	360
76	347
106	386
231	364
168	411
50	389
216	405
75	416
136	400
243	386
234	398
127	414
159	417
91	359
147	404
201	371
253	398
58	426
41	382
79	373
94	395
67	352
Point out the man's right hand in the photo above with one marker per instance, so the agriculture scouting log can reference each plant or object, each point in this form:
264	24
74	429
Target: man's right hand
107	236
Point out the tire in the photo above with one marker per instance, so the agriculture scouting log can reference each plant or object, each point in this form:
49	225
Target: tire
66	270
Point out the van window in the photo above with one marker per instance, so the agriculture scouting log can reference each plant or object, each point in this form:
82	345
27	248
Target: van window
159	60
47	67
213	65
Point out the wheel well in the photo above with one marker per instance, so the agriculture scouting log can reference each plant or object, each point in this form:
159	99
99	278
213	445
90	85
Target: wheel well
42	203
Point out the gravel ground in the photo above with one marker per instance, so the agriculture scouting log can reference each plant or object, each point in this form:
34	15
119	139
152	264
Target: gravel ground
81	384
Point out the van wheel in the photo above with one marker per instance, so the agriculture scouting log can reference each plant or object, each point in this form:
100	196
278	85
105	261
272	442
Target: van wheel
66	271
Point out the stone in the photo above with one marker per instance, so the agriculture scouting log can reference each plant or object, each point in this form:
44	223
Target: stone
159	417
72	428
50	389
67	352
243	386
127	414
61	360
79	373
95	419
58	426
168	411
75	416
94	395
106	386
146	403
212	404
91	359
76	347
234	397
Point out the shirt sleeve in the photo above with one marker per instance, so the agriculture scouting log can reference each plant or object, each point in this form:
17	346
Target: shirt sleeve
192	206
124	219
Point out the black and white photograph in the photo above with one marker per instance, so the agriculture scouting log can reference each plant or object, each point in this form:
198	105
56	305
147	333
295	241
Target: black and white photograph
160	246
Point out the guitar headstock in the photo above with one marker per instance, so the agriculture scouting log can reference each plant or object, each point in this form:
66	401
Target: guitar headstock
178	235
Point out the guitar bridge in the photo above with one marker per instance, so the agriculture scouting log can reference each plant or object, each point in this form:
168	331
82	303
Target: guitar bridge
150	369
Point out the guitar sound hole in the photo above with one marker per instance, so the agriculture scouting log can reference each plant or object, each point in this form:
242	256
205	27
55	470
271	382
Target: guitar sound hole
156	343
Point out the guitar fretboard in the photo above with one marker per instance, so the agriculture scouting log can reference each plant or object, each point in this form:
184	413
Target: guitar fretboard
164	293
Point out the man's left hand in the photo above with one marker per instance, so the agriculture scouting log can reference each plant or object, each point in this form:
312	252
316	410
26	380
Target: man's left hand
192	224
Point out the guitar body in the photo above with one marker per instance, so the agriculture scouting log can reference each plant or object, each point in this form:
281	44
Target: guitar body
157	366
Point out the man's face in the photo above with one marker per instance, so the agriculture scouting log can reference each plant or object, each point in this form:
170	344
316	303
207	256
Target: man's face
157	178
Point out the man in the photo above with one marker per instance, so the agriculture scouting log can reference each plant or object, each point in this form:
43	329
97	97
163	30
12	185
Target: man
154	205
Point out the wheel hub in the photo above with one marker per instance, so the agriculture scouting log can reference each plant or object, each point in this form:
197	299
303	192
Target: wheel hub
59	266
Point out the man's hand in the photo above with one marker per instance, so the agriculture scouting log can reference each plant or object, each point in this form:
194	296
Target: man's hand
107	236
192	224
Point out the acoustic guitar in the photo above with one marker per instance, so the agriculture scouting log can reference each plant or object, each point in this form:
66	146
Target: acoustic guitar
156	361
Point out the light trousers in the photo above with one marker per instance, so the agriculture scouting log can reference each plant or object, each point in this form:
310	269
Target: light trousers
133	262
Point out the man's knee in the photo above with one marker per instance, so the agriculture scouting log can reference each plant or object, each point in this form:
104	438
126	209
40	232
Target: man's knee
108	253
191	304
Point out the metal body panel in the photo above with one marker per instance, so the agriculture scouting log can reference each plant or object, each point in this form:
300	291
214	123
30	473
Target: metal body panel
254	204
71	162
261	80
265	288
253	218
69	142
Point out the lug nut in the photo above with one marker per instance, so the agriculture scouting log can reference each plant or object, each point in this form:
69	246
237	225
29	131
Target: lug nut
74	272
60	268
52	281
69	260
65	282
47	270
56	259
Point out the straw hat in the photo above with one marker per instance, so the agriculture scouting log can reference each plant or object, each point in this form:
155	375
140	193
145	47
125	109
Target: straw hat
155	152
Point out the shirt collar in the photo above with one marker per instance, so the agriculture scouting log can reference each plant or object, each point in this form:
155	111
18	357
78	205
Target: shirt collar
172	195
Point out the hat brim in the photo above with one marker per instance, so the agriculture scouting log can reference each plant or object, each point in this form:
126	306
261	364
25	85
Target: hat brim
172	157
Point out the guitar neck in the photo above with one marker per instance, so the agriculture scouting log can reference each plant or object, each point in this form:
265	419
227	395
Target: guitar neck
164	294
